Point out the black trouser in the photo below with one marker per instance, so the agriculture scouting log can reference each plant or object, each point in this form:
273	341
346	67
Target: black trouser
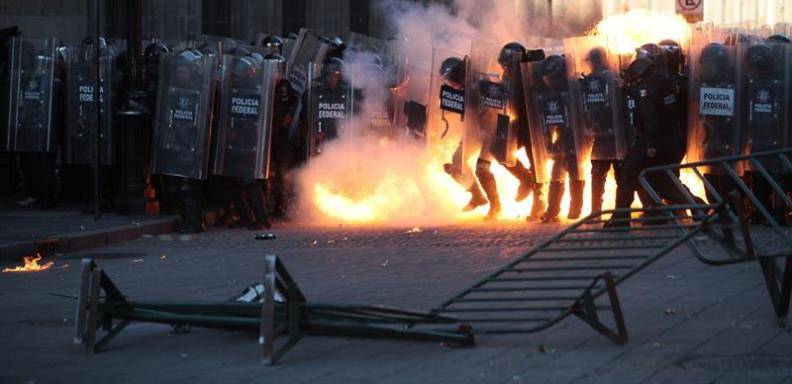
565	166
599	175
628	172
279	189
38	169
251	205
767	197
187	195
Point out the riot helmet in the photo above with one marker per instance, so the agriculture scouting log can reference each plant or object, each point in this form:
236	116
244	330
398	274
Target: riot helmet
87	47
280	60
554	70
597	59
736	38
452	72
654	53
207	49
337	46
187	68
639	69
674	57
227	45
151	56
760	60
275	56
257	57
777	38
649	50
154	50
714	62
238	51
511	54
244	68
272	44
332	72
283	90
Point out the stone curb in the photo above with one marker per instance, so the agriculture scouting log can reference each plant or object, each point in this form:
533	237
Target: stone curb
77	241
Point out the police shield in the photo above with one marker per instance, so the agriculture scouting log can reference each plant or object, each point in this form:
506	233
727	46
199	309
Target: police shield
330	103
412	111
242	144
556	141
489	105
377	92
8	86
182	125
32	101
595	88
82	127
308	49
364	43
446	130
768	92
716	99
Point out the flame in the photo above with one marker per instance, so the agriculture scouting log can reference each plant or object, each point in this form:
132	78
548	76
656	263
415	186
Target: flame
410	194
627	31
397	197
31	265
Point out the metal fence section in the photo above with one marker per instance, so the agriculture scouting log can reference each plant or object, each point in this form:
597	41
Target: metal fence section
576	273
767	199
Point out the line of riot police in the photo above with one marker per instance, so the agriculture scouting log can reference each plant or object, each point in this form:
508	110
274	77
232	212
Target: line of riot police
232	121
224	120
730	95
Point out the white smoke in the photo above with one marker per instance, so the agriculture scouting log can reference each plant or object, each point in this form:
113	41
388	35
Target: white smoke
363	179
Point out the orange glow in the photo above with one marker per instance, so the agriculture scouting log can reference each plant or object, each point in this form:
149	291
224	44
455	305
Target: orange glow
627	31
361	201
31	265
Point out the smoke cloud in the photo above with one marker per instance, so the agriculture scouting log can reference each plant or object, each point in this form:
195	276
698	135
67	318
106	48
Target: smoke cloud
364	178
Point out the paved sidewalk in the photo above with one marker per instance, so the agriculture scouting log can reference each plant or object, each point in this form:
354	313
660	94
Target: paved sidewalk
24	232
688	322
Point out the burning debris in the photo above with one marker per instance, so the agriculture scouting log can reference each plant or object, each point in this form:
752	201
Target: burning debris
31	265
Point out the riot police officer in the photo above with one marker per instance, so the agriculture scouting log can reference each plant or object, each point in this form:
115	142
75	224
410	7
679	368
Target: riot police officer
151	60
510	58
181	139
152	54
271	45
655	112
559	139
287	148
718	125
766	109
452	74
328	106
37	119
81	133
242	130
596	88
674	59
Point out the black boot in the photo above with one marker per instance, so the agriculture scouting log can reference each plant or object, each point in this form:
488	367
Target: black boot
256	201
538	205
477	198
487	180
553	202
191	206
597	190
576	198
526	180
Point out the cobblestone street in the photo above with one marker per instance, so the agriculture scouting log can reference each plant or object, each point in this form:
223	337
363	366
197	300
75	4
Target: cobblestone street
687	321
